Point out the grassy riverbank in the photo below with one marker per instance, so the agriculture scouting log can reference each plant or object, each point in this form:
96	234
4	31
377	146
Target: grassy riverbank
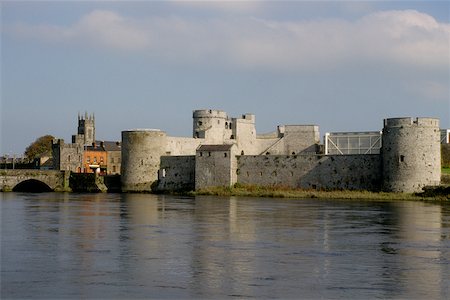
284	192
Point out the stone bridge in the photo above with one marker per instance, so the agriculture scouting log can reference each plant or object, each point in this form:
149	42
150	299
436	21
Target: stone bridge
34	181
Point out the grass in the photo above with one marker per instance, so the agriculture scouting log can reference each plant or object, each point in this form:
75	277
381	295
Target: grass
445	171
285	192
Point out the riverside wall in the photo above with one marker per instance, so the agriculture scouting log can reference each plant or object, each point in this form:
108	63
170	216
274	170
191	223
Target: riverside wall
176	173
352	172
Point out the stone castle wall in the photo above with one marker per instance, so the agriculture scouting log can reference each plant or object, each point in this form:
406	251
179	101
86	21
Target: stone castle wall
182	145
176	173
352	172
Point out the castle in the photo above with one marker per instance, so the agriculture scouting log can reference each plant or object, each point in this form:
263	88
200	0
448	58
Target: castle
223	151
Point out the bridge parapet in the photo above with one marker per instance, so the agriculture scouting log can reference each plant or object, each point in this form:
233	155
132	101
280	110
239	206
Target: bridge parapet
57	181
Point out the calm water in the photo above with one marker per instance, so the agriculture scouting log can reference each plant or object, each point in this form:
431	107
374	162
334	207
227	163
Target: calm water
147	246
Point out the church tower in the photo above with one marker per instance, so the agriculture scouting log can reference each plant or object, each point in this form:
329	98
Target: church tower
86	129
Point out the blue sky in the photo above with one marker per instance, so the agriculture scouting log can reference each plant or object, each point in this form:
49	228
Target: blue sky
341	65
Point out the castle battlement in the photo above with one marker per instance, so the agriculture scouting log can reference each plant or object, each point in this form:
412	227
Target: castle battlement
209	113
408	121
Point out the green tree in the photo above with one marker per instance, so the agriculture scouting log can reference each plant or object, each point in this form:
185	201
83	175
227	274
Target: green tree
40	146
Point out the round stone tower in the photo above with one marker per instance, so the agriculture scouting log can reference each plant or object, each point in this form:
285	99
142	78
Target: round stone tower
141	152
411	154
212	125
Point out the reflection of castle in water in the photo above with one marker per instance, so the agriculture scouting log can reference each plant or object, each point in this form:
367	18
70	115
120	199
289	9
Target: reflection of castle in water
200	245
213	247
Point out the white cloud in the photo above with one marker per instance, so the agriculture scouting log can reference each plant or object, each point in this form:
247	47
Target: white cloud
235	6
98	28
390	37
111	30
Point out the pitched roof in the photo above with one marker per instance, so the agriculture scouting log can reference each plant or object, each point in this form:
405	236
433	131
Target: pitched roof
104	146
215	147
111	146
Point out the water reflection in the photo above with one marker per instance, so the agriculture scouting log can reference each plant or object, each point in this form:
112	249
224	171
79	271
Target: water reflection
156	246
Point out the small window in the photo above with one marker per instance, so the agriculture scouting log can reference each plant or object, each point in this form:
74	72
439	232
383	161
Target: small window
200	153
209	153
242	152
293	153
200	123
114	169
402	158
68	159
225	154
226	125
218	121
112	159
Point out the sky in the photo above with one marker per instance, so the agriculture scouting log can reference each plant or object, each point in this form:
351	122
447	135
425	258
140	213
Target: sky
342	65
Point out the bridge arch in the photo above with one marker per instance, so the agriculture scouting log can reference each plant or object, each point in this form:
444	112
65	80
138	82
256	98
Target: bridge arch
32	186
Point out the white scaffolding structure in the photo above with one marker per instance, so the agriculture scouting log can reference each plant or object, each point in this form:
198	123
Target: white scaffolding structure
445	136
368	142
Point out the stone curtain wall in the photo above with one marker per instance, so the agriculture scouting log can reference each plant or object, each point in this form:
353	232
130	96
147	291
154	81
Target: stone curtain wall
176	173
353	172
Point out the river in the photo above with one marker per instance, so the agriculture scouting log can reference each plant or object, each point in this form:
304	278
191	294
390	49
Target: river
127	246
